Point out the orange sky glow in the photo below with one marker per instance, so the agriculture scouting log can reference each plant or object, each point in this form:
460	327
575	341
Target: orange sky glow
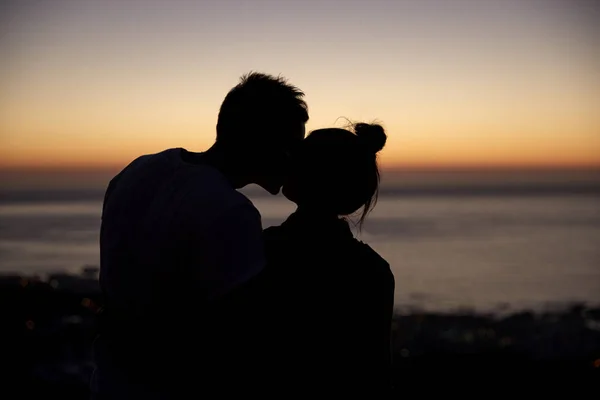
455	83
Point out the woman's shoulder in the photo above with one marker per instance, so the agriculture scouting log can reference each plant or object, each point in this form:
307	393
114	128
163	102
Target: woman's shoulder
272	235
271	231
277	245
371	259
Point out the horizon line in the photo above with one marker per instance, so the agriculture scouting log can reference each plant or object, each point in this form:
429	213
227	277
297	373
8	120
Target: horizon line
396	167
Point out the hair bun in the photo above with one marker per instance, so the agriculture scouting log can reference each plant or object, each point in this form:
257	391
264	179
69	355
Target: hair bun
372	135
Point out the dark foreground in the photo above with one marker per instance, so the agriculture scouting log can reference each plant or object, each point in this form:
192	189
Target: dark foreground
48	327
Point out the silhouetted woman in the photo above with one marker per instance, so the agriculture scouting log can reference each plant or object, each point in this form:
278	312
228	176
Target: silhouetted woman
332	295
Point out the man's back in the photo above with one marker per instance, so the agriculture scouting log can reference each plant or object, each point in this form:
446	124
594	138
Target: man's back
175	236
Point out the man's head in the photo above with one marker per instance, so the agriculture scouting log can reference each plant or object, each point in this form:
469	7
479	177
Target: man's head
260	120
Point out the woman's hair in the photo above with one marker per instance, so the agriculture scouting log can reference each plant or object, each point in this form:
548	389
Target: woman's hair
338	169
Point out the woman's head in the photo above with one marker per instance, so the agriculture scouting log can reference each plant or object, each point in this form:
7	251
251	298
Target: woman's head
334	171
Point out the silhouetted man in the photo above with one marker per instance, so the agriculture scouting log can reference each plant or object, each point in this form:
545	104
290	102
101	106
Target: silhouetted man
177	238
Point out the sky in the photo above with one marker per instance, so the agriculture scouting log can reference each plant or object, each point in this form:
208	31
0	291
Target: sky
456	83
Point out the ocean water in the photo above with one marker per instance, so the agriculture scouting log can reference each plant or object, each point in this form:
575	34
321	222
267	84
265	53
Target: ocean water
448	250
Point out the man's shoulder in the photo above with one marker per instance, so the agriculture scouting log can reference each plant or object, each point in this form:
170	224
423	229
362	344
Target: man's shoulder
210	197
207	185
197	183
201	191
143	159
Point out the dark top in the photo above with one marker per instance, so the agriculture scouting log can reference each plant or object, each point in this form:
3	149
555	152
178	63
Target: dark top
317	320
331	302
175	239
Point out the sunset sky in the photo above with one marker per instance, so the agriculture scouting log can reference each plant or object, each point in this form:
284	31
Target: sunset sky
455	83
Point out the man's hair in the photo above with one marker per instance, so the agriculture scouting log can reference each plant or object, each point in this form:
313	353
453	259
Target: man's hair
260	103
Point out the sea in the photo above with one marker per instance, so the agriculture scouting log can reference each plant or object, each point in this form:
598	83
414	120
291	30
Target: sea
454	241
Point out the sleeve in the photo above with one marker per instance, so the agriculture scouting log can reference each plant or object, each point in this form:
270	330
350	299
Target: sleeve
236	246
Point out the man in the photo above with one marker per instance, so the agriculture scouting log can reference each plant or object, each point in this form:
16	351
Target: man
177	239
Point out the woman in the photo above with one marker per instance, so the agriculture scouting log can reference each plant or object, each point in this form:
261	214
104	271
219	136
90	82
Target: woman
331	295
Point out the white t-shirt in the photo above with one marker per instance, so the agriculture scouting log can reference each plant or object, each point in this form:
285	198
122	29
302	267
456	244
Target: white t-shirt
168	225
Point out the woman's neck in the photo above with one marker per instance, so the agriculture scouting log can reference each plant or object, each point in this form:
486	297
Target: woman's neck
316	222
315	213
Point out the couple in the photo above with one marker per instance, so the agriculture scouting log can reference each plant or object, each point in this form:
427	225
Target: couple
200	300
